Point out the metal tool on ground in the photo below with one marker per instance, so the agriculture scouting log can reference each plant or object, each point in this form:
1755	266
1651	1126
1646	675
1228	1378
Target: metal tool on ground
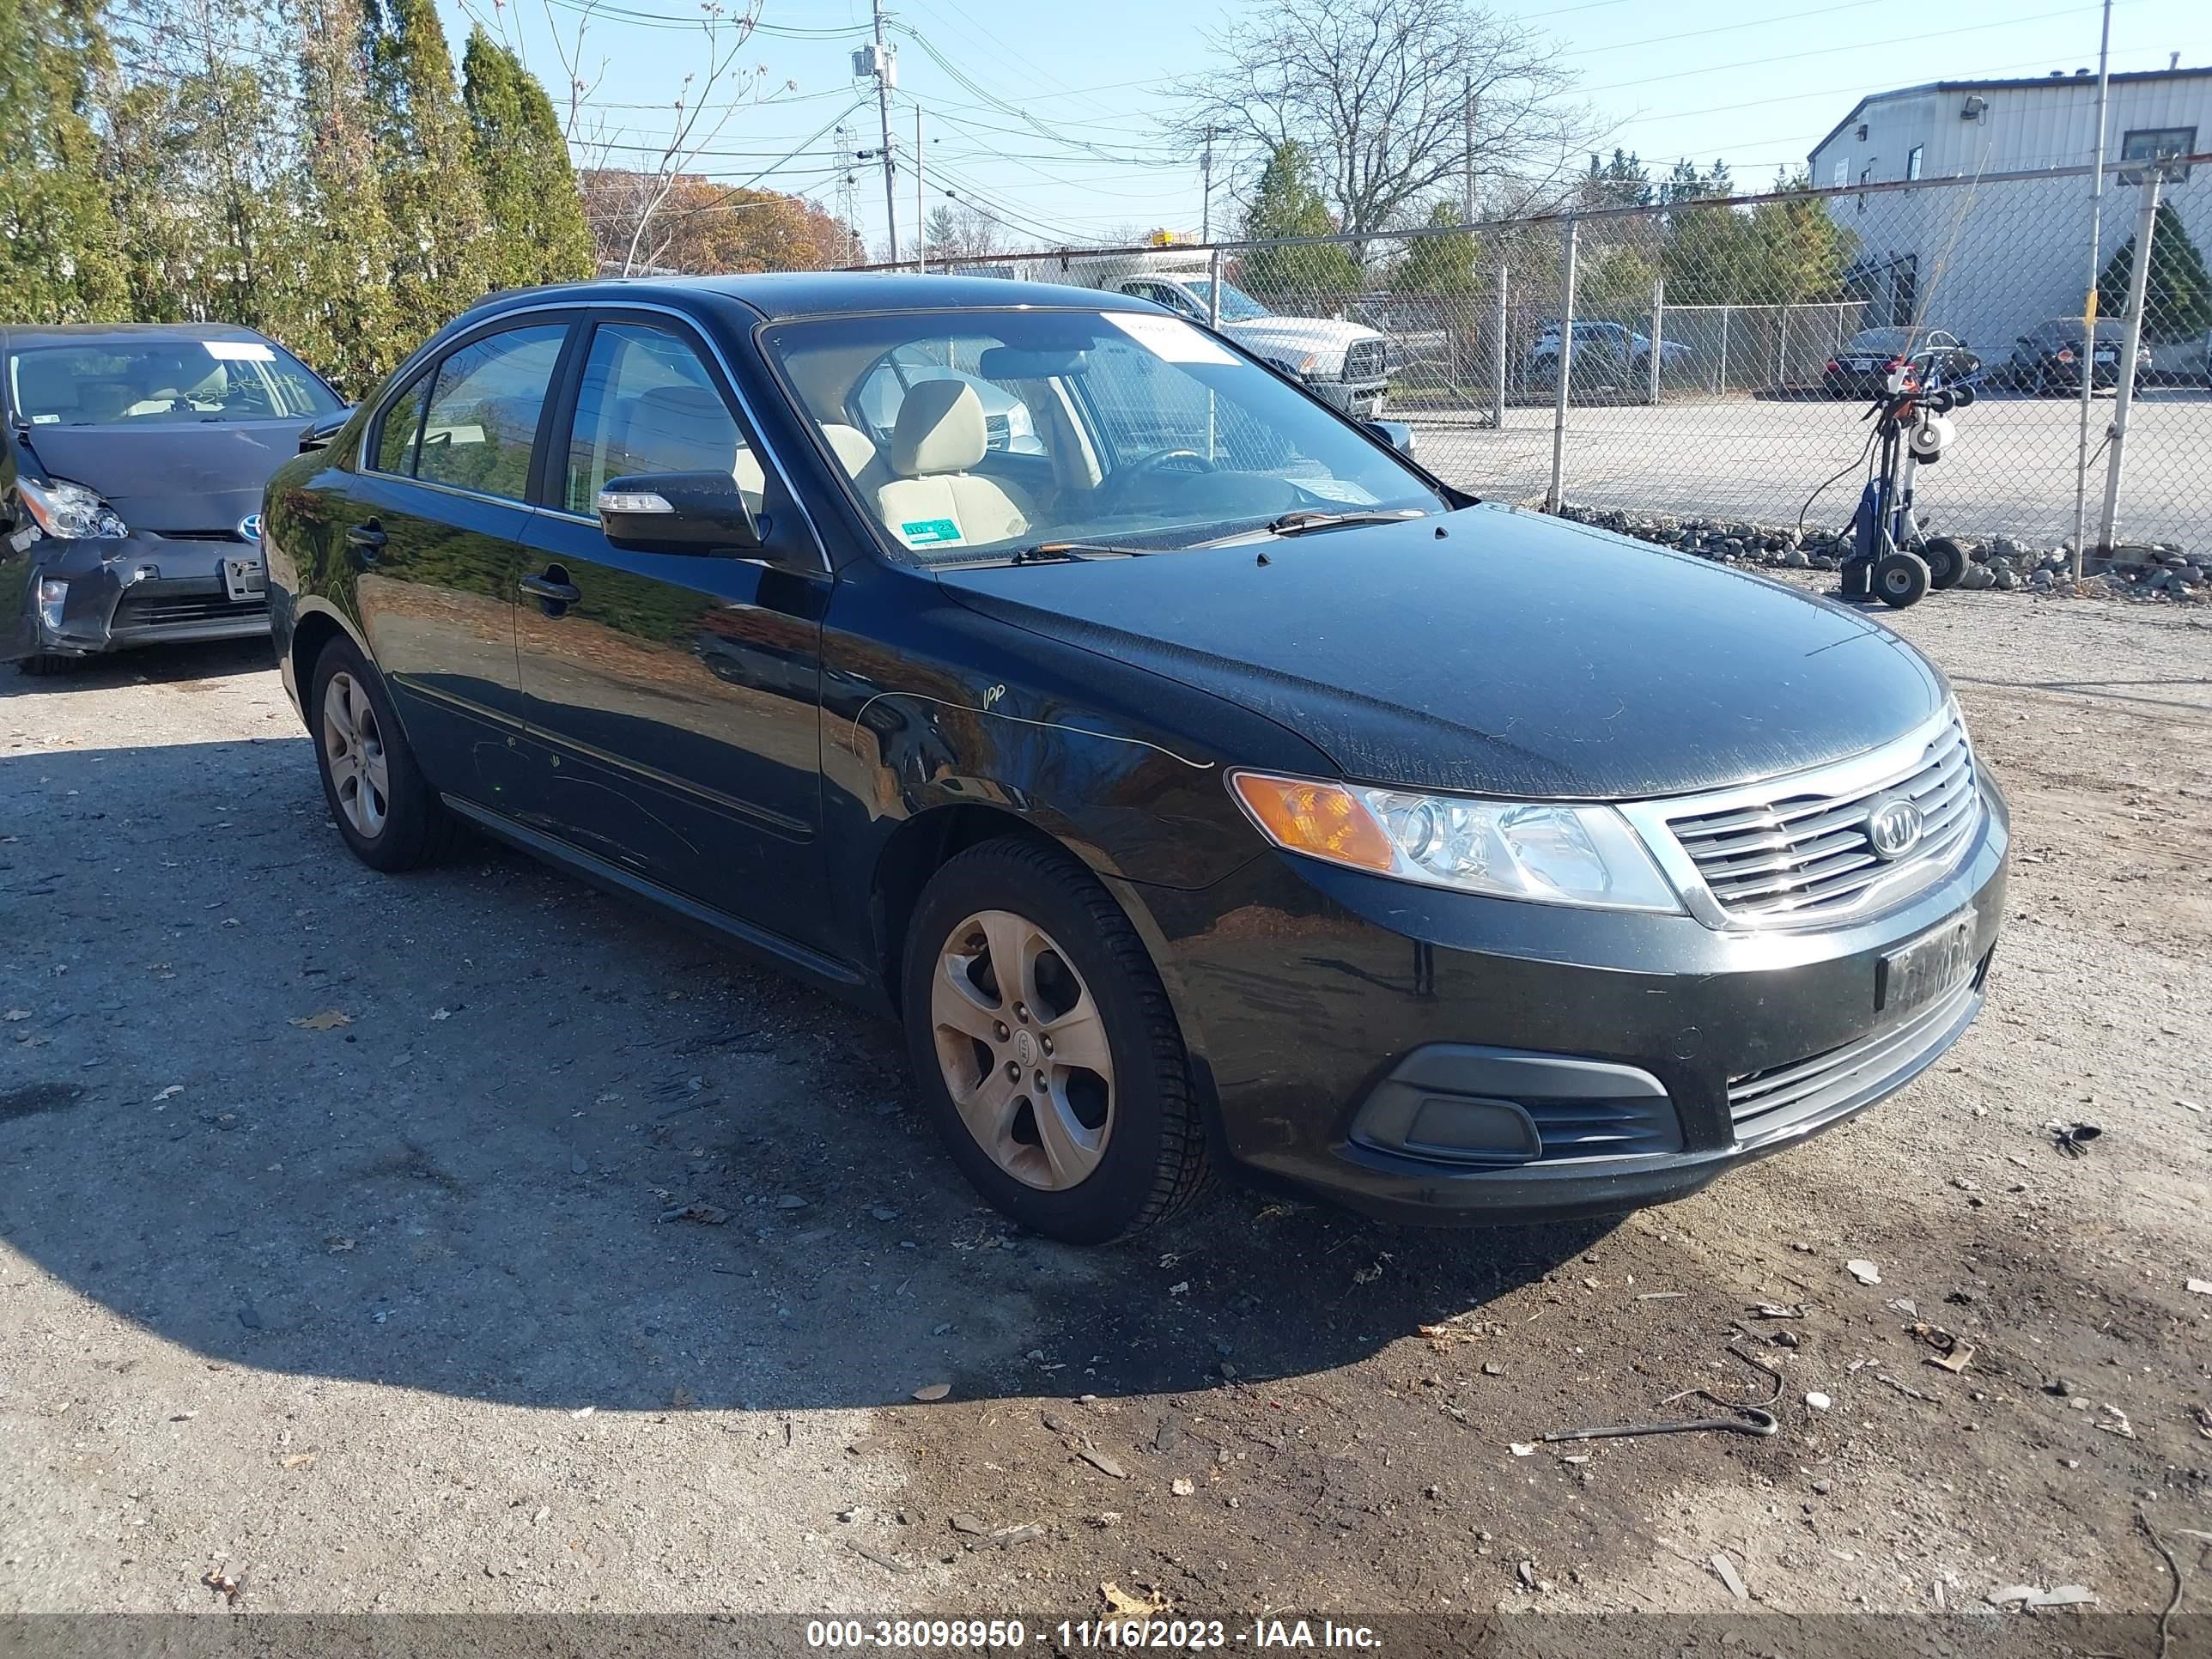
1741	1418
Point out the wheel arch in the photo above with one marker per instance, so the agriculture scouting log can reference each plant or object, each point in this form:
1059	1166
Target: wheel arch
916	850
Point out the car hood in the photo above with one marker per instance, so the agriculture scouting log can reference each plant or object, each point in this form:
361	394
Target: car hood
1514	655
203	476
1263	334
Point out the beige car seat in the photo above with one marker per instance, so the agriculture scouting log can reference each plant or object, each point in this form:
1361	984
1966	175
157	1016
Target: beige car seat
935	500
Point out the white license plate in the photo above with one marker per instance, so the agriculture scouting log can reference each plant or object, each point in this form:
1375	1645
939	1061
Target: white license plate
1935	963
1860	363
2108	356
244	579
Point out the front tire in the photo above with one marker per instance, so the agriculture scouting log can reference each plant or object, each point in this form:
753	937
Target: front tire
1045	1046
389	815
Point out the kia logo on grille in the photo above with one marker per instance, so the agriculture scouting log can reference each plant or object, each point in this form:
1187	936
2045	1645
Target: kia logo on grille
1893	828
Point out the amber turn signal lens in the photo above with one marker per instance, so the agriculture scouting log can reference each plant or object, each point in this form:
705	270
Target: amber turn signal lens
1322	819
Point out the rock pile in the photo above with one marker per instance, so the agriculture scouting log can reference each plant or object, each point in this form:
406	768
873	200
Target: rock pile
2002	562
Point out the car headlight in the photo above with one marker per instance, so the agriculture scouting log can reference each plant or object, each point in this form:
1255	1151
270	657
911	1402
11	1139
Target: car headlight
1547	852
70	511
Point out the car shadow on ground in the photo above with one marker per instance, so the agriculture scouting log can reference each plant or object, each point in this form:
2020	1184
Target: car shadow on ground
481	1132
157	665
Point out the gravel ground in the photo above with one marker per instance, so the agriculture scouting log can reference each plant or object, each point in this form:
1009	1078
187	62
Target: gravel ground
390	1311
2011	469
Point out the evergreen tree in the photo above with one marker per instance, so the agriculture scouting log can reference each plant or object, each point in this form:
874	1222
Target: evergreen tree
346	322
1287	204
1621	182
431	196
1438	265
2176	291
60	259
534	214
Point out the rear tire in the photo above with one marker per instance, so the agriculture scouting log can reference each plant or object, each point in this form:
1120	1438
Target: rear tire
1900	580
1080	1153
386	810
1946	561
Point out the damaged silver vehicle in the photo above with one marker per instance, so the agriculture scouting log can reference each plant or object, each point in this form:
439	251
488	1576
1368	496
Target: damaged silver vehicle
131	476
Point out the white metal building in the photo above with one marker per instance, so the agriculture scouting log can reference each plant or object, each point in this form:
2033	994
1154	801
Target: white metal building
1989	261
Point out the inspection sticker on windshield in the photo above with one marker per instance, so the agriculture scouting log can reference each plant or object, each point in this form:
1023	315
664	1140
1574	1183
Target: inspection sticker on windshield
1170	337
922	532
240	351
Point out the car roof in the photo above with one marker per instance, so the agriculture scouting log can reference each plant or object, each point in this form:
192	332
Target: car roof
30	334
780	295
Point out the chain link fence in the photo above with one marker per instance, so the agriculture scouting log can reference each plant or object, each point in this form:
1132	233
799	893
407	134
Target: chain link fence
1718	355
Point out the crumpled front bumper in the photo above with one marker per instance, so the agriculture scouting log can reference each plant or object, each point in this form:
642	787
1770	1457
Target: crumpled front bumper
142	589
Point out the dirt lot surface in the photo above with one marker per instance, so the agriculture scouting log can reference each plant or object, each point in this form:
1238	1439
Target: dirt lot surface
336	1255
2010	470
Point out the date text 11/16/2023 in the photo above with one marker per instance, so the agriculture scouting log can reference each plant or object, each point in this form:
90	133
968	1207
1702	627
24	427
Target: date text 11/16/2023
1163	1634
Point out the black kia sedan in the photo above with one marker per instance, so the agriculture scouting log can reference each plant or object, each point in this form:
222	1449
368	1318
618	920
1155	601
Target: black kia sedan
1206	784
1862	364
131	470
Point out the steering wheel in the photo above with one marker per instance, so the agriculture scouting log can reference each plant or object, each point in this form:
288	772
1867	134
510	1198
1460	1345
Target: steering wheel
1125	477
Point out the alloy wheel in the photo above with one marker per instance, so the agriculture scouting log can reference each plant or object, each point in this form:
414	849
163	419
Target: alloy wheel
1022	1048
352	748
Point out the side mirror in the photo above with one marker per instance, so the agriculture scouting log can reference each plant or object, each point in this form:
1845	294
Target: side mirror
320	434
1396	434
677	513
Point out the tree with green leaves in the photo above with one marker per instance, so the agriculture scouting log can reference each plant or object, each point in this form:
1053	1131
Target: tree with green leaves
440	263
347	323
2177	289
1438	265
1621	182
1287	203
60	259
534	212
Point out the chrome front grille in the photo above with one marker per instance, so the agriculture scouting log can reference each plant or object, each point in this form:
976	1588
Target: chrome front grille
1798	852
1365	359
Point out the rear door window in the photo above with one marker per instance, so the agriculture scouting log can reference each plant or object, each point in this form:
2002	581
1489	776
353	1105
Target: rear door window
485	400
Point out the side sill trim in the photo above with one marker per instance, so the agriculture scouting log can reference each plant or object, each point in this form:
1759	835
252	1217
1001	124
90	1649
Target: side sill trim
602	873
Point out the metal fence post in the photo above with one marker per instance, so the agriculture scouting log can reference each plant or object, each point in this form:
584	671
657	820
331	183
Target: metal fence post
1214	288
2123	396
1720	375
1498	368
1658	332
1565	368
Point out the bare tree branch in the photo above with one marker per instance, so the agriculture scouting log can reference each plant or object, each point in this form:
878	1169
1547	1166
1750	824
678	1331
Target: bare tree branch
1377	91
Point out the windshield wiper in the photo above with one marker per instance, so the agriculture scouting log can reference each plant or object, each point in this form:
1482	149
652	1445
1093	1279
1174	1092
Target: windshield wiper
1048	552
1309	518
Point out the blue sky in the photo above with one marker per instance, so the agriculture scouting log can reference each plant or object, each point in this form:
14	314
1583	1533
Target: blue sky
1059	130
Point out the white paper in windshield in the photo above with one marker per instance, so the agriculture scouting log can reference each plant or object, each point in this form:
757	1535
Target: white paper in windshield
239	351
1169	338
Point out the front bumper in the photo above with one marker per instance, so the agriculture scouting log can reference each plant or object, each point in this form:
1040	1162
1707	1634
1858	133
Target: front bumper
144	589
1643	1055
1361	399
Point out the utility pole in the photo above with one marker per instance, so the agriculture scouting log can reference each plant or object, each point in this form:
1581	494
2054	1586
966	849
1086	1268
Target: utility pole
2089	299
1467	168
884	65
1206	186
920	217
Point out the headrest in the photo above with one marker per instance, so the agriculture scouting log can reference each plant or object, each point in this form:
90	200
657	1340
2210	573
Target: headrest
685	429
940	429
854	449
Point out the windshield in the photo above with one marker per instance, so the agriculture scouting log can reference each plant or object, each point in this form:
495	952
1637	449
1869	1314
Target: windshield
143	382
1126	429
1237	305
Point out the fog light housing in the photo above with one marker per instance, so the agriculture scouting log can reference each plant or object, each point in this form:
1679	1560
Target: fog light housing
52	597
